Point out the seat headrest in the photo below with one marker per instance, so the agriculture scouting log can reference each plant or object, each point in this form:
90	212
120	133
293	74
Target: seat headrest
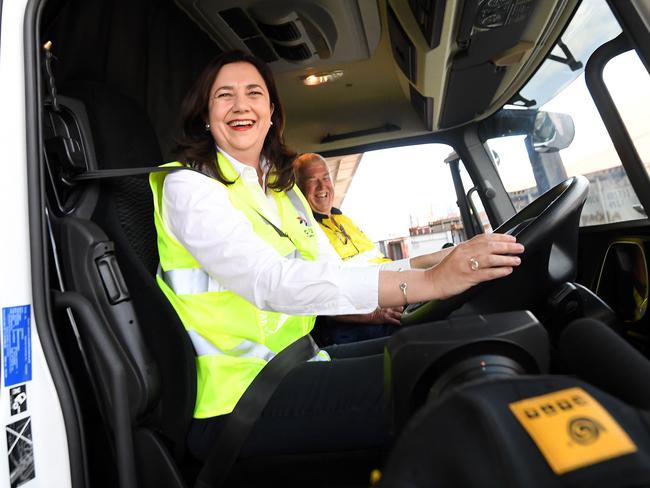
122	131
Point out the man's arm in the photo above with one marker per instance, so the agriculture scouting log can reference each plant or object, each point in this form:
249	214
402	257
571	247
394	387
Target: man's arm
380	316
429	260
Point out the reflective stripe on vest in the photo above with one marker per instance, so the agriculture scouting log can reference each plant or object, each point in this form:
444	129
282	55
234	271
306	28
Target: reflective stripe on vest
246	348
187	281
297	202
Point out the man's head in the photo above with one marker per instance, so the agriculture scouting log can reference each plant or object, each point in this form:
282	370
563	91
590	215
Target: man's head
313	178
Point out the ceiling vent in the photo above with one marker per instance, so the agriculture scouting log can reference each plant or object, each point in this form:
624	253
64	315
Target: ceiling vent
296	35
290	33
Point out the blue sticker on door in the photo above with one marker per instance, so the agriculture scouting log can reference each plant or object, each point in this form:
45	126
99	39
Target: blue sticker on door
16	344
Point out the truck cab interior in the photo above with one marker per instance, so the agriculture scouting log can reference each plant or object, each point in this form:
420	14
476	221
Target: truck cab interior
106	81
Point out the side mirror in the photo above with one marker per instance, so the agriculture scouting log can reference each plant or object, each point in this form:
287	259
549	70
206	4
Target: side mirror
552	131
623	280
549	131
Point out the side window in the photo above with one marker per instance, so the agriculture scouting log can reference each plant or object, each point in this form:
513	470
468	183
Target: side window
628	83
591	153
404	200
567	136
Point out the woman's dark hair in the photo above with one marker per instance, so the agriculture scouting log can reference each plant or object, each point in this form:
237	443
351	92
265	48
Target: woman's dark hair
196	146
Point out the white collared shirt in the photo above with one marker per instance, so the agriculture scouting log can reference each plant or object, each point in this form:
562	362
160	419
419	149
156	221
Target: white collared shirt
197	212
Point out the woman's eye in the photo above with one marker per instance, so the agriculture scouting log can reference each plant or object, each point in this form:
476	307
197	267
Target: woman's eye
256	93
223	95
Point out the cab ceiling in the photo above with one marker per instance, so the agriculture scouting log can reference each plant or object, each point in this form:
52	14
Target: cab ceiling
408	67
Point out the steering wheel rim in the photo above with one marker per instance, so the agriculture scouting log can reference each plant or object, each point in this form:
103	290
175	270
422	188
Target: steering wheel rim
534	226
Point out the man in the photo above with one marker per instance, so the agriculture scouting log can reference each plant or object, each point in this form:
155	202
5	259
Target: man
313	179
352	245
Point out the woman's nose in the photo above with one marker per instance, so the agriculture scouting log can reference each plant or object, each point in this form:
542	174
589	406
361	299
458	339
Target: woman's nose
240	103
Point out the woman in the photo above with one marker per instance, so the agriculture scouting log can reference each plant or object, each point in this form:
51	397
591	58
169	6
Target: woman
247	269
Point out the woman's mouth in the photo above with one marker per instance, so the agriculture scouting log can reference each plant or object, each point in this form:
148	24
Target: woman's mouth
241	124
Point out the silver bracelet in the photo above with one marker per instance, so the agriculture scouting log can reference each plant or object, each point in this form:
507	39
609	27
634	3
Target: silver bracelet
403	286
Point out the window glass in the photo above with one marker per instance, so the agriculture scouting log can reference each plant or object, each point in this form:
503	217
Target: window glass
404	199
628	82
529	167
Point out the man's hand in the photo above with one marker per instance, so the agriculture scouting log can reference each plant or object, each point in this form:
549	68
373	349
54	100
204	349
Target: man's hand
390	315
380	316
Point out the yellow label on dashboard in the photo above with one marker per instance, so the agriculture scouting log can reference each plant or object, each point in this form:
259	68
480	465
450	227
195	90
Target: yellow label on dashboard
571	429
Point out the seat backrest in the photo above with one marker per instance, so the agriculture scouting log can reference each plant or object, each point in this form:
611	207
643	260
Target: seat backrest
109	255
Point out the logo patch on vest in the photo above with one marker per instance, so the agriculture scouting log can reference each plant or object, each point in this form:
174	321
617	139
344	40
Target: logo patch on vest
302	220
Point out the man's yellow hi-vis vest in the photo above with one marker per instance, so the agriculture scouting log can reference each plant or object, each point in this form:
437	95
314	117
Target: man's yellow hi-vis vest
348	240
233	339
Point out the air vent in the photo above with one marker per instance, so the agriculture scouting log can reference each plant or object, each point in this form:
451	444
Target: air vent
284	32
305	32
293	53
429	15
260	48
402	47
240	22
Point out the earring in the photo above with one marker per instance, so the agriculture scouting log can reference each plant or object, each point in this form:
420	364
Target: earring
207	126
271	123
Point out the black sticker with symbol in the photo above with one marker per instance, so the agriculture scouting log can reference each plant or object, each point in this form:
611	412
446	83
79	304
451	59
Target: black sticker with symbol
17	399
20	452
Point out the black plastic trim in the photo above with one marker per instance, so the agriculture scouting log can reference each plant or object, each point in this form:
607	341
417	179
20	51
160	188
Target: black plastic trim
0	25
41	301
431	24
423	106
387	127
637	31
461	200
630	226
402	47
434	137
614	124
115	384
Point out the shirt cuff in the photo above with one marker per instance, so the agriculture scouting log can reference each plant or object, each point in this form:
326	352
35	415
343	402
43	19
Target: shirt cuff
361	286
399	265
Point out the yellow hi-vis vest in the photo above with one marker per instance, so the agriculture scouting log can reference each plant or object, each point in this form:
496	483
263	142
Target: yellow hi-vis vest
233	339
350	241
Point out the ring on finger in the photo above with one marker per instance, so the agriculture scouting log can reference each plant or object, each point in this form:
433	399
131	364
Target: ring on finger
473	263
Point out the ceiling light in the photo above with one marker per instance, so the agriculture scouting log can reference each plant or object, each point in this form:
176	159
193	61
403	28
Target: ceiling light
324	77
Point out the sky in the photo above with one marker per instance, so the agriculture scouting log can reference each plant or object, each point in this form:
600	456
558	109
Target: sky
395	188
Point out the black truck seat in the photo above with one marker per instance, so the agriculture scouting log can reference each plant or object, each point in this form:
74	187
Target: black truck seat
108	249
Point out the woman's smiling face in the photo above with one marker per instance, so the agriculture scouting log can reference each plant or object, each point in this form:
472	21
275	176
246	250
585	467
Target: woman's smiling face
240	111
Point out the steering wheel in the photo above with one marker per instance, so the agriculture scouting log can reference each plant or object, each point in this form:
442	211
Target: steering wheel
548	229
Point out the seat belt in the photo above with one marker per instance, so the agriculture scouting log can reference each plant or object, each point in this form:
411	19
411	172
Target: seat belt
239	423
103	174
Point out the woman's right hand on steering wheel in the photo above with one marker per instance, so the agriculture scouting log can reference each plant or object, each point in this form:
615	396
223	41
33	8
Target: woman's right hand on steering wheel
484	257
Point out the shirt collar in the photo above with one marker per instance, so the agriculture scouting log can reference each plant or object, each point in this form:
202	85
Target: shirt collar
320	217
242	168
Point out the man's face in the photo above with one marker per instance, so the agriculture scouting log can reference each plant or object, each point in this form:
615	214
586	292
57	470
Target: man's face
318	187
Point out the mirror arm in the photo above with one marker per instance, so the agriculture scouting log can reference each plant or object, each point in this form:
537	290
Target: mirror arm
569	60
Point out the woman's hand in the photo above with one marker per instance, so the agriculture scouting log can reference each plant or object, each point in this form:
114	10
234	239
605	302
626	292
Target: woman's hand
482	258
